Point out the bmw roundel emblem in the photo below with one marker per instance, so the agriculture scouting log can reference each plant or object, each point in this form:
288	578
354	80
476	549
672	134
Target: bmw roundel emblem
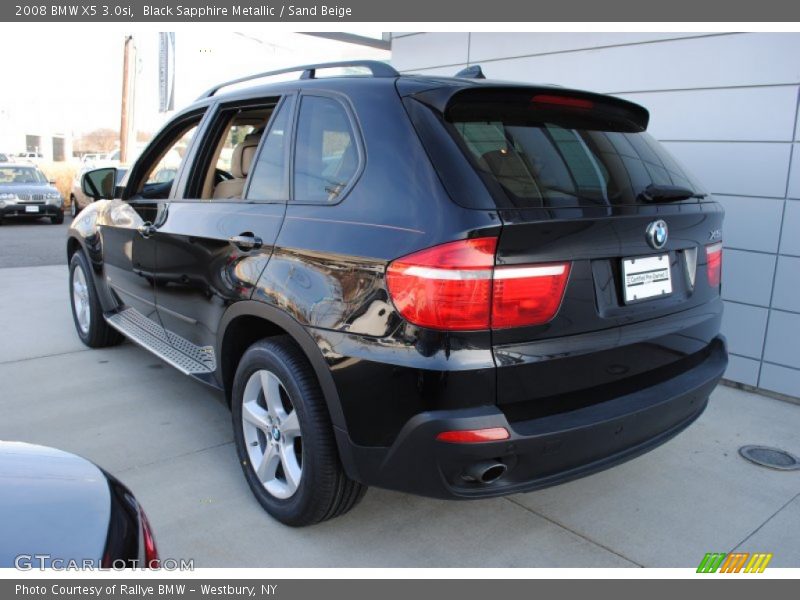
656	234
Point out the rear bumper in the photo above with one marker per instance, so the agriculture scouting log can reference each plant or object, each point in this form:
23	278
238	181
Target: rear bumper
540	452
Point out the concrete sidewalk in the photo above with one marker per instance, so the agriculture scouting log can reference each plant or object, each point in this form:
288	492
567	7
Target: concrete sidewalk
169	439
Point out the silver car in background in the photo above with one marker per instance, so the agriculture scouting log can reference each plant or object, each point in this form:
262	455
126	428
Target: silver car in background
26	192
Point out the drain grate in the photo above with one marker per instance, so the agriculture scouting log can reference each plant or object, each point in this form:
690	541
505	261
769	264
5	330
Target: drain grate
770	457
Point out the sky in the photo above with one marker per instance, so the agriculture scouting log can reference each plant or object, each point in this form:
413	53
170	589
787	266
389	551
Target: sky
73	83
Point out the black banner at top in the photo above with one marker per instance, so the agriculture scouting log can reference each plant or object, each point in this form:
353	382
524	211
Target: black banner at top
132	11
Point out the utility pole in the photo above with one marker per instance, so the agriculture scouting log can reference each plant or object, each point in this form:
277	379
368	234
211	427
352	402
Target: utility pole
126	93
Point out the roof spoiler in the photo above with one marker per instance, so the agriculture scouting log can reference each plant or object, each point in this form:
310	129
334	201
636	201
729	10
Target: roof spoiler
545	98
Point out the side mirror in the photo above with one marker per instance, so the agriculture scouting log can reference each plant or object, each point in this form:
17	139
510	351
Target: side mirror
52	182
99	184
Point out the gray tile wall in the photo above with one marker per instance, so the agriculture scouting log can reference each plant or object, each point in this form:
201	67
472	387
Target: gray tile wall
726	105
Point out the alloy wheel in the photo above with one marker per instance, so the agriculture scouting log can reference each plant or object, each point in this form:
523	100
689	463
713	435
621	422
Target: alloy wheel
80	300
272	434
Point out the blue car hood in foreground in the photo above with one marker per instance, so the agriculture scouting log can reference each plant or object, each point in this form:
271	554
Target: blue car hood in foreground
51	502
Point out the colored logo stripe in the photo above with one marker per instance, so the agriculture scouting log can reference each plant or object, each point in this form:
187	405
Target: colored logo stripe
733	562
758	563
711	562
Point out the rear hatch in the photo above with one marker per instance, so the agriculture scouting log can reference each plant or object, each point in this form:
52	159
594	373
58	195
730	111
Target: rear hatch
577	181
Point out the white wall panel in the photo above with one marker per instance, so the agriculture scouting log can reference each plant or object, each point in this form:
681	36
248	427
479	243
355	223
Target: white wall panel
751	169
744	326
743	370
790	240
781	345
488	46
723	61
759	114
747	276
429	50
780	379
751	223
794	176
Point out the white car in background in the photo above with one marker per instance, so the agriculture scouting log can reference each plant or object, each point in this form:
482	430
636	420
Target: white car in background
33	158
90	160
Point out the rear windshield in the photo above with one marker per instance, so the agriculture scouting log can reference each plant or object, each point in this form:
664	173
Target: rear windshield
542	160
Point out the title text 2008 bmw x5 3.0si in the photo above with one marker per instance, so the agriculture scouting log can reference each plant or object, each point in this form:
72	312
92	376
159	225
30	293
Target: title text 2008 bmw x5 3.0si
447	286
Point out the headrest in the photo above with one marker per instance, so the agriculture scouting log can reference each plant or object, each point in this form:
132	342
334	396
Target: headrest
243	154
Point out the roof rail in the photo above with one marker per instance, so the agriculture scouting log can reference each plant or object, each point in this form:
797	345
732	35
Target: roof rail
377	68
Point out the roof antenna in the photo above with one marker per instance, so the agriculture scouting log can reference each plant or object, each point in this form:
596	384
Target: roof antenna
473	72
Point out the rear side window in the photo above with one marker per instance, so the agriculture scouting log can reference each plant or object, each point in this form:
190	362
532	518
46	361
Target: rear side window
268	181
326	153
542	160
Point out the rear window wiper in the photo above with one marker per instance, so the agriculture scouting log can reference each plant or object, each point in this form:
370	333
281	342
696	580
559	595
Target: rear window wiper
668	193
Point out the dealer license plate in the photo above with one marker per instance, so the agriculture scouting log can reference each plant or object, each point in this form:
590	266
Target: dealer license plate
646	277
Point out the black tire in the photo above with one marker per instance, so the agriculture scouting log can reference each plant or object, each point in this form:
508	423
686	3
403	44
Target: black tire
57	219
73	207
324	491
99	334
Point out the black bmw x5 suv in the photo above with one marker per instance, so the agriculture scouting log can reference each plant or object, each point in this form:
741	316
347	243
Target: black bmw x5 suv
447	286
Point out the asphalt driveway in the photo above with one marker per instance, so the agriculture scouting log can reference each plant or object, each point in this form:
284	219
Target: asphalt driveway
169	439
32	242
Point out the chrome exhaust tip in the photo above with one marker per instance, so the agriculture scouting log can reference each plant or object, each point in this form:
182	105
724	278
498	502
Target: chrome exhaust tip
485	472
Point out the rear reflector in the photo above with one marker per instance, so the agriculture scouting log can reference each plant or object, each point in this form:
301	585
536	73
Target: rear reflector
474	436
455	287
714	264
568	101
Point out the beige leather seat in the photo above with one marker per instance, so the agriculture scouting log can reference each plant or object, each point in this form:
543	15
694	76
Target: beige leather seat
241	161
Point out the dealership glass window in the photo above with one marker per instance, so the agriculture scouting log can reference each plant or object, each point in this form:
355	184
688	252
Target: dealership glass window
326	154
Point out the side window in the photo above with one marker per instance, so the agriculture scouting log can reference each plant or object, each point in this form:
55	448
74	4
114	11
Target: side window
166	169
268	178
235	136
326	154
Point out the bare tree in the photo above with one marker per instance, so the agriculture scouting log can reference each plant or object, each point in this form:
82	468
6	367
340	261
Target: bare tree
99	140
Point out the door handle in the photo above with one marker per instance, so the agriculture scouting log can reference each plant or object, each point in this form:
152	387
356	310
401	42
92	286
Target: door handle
146	229
246	241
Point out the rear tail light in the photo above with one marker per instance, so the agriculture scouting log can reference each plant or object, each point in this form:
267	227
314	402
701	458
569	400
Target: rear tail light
527	295
474	436
150	551
447	286
456	287
714	264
